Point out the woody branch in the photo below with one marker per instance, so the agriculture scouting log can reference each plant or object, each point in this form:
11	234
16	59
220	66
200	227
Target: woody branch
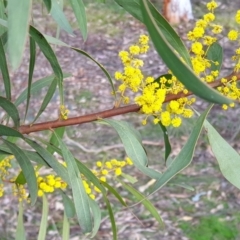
26	129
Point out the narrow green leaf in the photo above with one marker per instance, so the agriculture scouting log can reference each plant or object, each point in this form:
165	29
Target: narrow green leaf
184	158
11	110
47	98
129	178
175	64
80	14
17	28
101	67
3	17
21	180
215	54
48	4
114	192
168	147
5	73
44	220
183	185
36	86
51	57
53	140
4	38
96	212
111	216
20	232
80	198
228	158
31	69
69	208
27	169
133	147
147	204
55	41
3	23
134	8
7	131
58	15
65	228
48	157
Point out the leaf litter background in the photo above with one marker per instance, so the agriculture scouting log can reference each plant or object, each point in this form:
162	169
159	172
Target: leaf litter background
213	203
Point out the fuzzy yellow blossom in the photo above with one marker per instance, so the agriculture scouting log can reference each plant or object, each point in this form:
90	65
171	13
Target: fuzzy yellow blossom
176	122
104	172
156	120
224	107
137	63
209	17
209	78
198	32
144	49
233	35
201	23
209	40
118	75
143	39
217	29
165	118
129	161
118	171
215	73
103	179
197	48
108	164
187	113
237	17
134	49
99	164
174	105
211	5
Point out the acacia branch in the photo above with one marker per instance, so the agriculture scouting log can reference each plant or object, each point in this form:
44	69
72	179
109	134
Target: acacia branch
26	129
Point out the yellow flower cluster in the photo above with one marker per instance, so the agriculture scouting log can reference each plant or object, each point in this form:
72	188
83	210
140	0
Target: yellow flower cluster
230	88
132	76
49	183
63	112
202	42
152	92
233	34
104	170
20	192
4	166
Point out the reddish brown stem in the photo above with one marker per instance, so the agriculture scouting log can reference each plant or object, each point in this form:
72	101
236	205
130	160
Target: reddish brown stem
26	129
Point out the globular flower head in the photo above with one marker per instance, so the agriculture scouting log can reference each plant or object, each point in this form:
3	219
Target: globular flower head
197	48
237	17
211	5
233	35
